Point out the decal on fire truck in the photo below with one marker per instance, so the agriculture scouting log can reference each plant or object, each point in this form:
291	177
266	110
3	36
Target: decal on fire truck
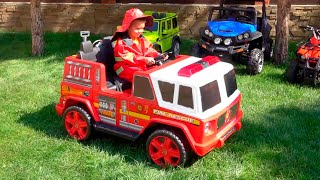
125	114
107	109
176	116
67	90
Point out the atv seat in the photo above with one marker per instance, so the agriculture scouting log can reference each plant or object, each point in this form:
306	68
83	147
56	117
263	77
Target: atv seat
87	51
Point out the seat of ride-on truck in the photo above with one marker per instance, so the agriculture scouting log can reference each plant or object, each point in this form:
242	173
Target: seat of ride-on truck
106	56
87	51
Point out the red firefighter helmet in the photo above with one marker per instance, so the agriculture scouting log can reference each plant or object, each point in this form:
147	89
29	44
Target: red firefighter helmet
133	14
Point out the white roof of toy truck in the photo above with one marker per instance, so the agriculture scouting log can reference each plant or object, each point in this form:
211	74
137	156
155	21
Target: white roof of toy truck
195	73
199	78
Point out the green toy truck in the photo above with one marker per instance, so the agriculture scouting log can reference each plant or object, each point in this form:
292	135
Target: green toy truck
164	34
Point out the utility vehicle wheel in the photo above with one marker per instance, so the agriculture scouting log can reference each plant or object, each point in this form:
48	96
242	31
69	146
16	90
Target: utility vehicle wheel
77	123
175	49
294	73
255	63
165	148
268	52
157	47
236	57
198	51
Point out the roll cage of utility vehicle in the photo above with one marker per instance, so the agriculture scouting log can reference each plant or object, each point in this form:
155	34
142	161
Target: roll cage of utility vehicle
237	31
182	108
165	33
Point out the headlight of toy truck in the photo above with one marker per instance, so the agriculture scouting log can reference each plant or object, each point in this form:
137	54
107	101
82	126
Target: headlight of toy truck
208	33
227	41
246	35
240	37
243	36
217	40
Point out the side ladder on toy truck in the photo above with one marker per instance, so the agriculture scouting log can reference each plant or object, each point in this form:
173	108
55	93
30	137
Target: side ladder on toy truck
80	79
83	73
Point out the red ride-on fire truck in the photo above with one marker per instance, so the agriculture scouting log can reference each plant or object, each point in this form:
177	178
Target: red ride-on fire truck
184	107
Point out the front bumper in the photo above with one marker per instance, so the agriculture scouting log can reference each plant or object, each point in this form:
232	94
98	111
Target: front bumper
60	107
230	49
221	137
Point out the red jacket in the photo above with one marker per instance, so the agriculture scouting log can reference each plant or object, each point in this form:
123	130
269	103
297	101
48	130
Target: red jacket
130	57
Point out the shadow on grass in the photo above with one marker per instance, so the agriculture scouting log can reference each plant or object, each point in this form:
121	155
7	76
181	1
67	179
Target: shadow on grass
285	140
47	121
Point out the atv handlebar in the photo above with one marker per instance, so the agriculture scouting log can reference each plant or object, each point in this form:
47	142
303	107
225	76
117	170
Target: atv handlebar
310	28
315	30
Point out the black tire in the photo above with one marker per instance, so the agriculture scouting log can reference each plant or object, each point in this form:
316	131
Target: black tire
198	51
294	73
157	47
316	78
255	63
77	122
175	49
155	146
268	52
236	57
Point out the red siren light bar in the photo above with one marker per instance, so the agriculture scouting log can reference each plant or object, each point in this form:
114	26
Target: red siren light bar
191	69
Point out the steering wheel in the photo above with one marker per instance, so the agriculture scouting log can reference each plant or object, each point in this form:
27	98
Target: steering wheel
159	60
243	17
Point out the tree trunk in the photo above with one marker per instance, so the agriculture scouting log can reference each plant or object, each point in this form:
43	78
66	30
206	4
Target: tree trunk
282	31
36	28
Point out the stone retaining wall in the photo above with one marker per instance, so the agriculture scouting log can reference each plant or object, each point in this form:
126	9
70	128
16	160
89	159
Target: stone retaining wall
103	18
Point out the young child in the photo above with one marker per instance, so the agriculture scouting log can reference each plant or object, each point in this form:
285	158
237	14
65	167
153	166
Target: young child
132	51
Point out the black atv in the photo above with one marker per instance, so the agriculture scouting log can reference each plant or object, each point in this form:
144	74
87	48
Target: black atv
238	32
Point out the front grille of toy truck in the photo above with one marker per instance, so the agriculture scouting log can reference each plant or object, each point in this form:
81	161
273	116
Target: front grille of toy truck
78	73
228	115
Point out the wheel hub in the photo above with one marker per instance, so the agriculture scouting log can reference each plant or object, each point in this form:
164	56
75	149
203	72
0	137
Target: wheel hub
260	62
164	152
76	125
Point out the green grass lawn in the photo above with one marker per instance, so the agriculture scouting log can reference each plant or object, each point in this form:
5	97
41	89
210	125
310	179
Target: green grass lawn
280	138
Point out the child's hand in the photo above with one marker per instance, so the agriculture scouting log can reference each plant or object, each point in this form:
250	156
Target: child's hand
149	60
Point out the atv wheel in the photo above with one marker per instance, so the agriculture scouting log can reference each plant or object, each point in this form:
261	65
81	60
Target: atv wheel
77	123
316	78
255	63
166	148
175	49
294	73
198	51
268	52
